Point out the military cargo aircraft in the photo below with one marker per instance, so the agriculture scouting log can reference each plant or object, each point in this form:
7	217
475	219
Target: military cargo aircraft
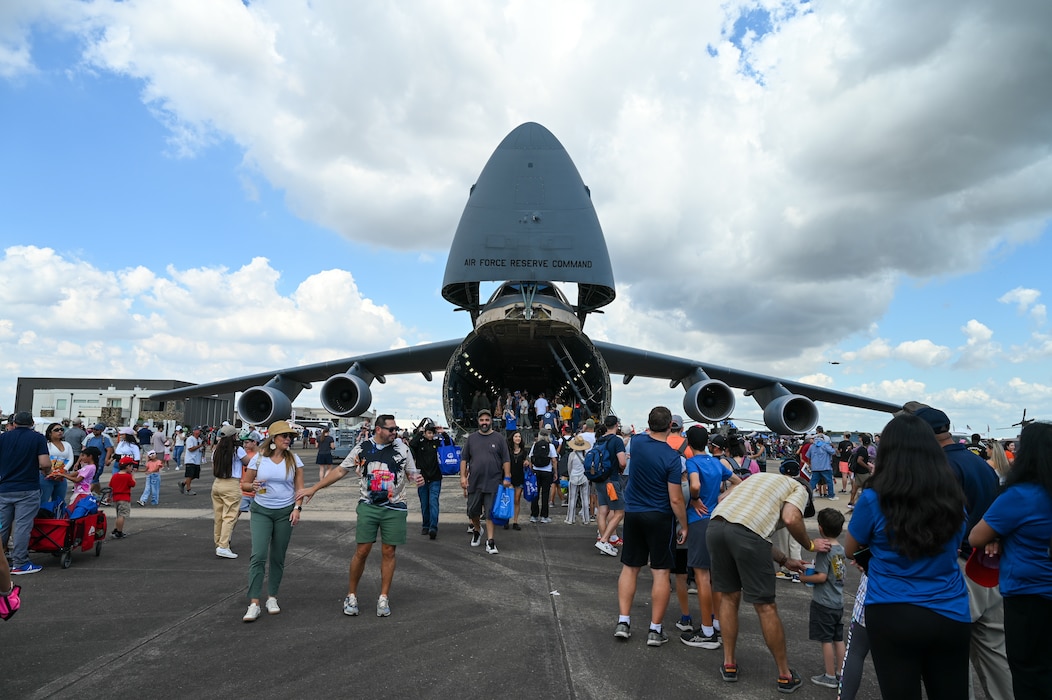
528	224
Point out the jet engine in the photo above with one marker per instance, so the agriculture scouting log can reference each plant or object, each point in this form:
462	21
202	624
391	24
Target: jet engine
346	395
791	414
708	400
262	405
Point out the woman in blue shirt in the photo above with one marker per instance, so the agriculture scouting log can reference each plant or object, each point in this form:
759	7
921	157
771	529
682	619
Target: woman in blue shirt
1021	518
911	516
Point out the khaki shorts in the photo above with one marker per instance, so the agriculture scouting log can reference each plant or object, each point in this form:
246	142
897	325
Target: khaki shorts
123	508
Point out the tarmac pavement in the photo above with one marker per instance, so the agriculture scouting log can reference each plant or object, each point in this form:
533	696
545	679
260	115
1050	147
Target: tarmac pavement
159	615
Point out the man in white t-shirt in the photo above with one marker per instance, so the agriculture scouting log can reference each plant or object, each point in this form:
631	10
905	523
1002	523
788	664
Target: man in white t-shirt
195	452
540	406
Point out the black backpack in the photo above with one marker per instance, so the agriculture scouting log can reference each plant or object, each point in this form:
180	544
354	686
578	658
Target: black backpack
540	455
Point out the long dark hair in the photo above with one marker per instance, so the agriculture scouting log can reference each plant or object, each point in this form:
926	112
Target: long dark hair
511	442
1033	458
223	457
919	495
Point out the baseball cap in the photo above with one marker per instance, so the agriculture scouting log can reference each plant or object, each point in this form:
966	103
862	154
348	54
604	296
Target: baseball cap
99	426
718	440
128	459
984	570
227	431
677	421
485	412
151	453
938	420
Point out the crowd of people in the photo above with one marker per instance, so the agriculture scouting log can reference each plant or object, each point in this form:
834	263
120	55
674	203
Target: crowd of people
953	539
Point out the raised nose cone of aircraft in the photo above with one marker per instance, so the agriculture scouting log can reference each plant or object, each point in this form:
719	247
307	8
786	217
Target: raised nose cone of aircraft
529	217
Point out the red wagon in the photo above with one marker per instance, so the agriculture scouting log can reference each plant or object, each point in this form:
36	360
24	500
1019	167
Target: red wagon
61	536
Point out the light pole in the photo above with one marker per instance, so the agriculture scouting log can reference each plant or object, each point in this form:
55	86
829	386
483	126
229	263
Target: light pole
71	405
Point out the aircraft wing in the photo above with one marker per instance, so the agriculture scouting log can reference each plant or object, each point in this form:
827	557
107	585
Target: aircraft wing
432	357
642	363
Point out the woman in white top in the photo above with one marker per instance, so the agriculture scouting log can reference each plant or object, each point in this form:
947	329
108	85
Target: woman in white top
180	444
54	488
275	474
127	447
228	459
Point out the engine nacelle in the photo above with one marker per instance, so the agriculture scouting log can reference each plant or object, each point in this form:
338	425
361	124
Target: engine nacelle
791	414
346	395
709	401
262	405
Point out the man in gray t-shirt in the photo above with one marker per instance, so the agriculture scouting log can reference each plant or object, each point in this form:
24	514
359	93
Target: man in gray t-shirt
75	437
484	460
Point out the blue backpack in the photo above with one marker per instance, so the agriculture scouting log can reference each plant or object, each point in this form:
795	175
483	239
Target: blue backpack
598	462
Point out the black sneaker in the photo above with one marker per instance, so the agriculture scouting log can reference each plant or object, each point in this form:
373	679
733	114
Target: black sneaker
729	673
790	684
697	638
476	538
432	534
623	630
656	639
423	531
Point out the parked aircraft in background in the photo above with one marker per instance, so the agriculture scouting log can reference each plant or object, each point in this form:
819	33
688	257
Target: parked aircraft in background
529	224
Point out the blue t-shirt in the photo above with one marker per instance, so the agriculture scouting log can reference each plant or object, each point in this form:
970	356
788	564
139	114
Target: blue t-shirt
1022	516
935	582
20	450
655	465
712	473
979	483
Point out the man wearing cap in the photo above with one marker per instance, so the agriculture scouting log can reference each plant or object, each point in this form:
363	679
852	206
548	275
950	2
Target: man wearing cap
980	485
676	439
23	458
100	441
740	552
195	452
484	463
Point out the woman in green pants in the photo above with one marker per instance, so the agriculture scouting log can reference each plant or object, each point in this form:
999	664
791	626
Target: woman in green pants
275	474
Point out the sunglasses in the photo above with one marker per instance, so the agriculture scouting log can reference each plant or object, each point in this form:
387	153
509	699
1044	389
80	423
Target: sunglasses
390	428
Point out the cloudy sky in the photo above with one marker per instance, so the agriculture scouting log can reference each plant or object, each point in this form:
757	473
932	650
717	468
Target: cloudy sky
197	189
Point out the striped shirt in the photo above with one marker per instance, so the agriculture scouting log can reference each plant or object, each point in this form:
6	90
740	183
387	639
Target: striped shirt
757	502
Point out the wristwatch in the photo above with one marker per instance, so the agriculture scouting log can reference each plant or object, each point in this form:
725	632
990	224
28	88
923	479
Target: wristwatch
298	508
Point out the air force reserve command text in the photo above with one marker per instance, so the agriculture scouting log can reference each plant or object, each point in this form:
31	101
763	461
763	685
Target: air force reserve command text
521	262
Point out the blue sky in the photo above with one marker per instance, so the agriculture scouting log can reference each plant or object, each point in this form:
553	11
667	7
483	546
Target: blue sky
282	186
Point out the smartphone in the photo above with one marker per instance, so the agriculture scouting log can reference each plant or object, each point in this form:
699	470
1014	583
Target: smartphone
862	558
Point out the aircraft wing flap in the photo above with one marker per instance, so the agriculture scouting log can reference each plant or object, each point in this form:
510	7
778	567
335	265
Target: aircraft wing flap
642	363
432	357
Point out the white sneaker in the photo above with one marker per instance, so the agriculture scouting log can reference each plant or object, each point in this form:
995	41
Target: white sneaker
272	605
491	547
350	605
225	553
253	613
383	607
606	548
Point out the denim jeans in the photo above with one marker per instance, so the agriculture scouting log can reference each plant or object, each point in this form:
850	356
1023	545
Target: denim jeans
177	455
826	476
52	490
429	494
18	508
153	489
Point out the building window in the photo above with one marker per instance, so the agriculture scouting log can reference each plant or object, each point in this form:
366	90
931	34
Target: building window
61	404
114	403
